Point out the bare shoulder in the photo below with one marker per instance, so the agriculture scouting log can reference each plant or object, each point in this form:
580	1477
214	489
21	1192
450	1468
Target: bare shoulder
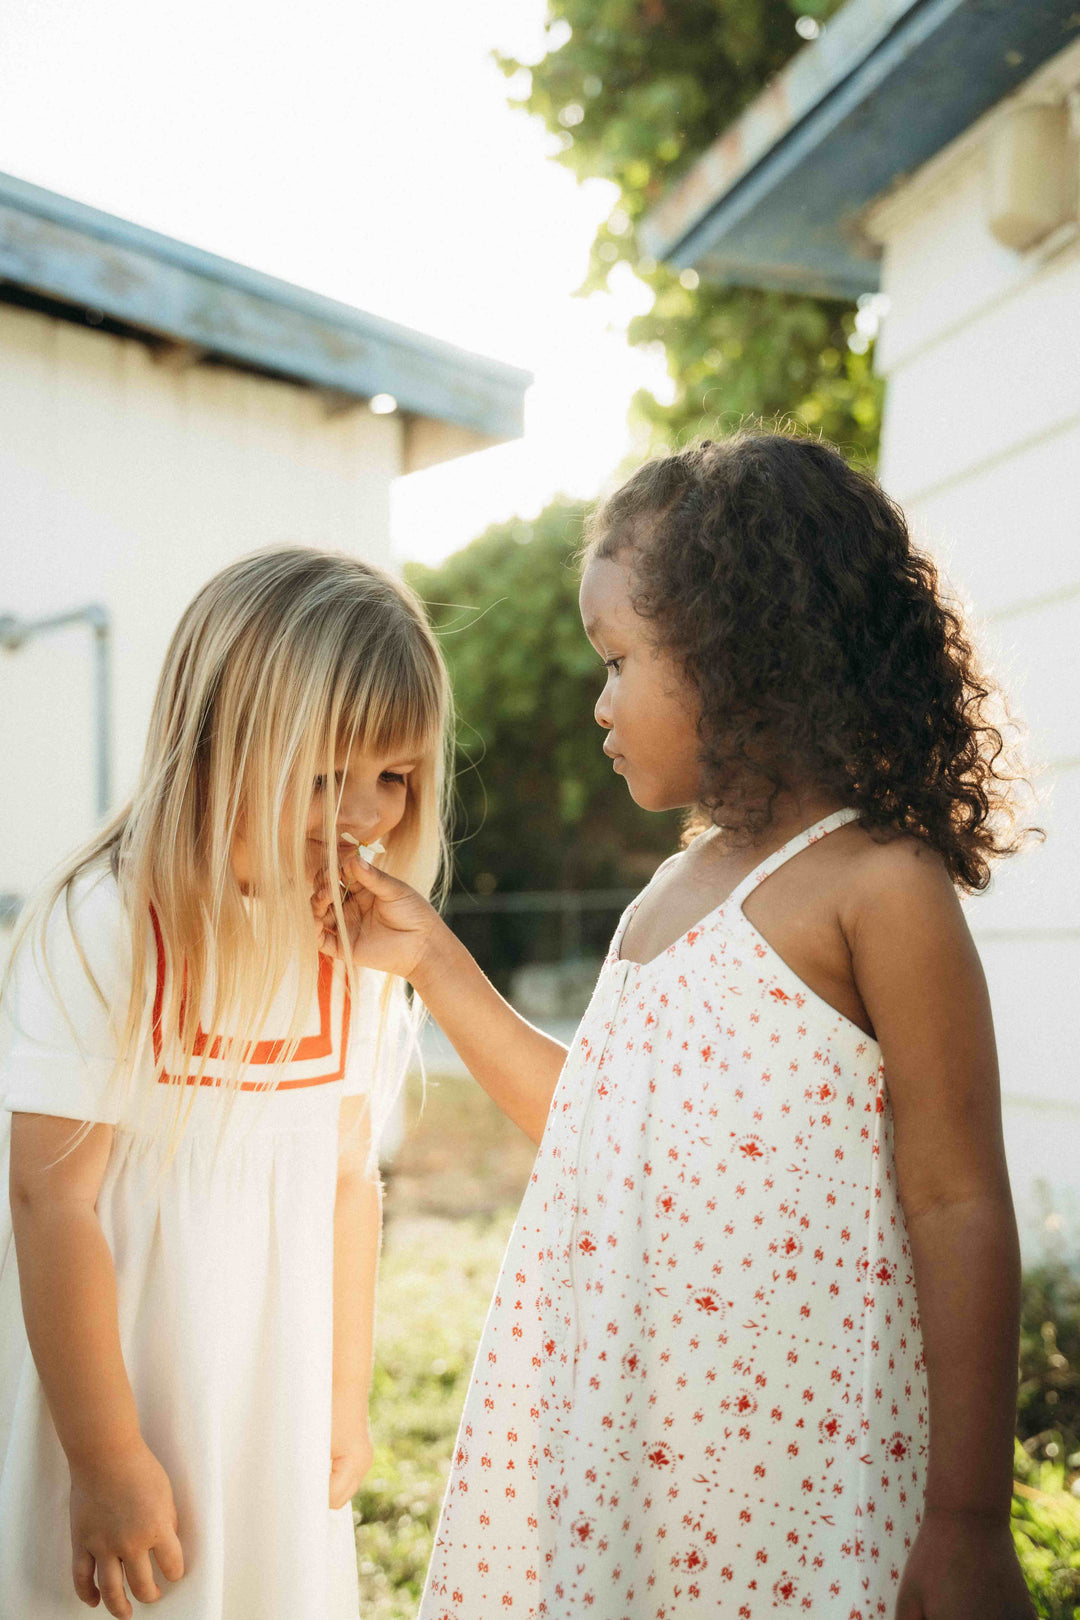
896	881
671	864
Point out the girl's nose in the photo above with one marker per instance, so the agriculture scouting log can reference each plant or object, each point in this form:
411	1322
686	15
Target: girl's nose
602	712
359	811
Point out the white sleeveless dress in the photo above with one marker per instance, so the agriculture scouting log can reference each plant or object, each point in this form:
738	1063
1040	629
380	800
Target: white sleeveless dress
701	1384
224	1272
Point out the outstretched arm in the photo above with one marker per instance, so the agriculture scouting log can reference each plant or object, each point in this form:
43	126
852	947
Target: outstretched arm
516	1063
393	928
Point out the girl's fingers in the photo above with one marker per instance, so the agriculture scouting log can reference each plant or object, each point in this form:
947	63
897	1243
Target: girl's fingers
110	1580
338	1483
345	1480
170	1556
361	872
140	1578
82	1574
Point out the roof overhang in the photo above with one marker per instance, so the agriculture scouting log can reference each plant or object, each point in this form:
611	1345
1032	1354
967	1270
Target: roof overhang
776	200
75	255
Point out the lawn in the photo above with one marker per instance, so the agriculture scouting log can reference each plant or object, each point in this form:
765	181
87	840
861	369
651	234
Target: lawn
450	1205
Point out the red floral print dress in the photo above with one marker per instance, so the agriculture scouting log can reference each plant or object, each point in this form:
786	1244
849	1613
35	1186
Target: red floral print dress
700	1386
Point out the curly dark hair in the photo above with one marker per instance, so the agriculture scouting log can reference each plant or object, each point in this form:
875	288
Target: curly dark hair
785	583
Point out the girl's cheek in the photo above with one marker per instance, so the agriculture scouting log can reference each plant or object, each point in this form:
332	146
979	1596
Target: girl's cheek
405	802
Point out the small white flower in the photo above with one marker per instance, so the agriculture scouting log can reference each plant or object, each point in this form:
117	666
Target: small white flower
368	851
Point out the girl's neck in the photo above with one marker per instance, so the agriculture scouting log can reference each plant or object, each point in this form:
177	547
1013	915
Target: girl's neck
793	811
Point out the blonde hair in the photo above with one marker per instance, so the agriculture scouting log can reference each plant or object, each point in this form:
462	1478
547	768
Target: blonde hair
282	658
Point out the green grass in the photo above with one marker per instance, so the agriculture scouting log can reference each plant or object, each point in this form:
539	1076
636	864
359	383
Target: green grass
437	1278
450	1205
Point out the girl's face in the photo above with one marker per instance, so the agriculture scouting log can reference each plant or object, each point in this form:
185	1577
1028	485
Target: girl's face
648	707
372	792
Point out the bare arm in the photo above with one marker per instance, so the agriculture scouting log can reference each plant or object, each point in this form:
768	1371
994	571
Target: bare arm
68	1284
121	1501
357	1233
516	1063
393	928
920	979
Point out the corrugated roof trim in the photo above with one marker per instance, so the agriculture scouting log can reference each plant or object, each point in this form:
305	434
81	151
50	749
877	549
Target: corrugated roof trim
66	250
778	199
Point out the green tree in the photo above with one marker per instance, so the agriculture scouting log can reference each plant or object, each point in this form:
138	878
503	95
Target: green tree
635	90
538	807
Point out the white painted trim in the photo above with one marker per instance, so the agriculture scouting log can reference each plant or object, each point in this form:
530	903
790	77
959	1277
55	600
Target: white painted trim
1068	237
1026	936
1039	1105
907	497
1034	604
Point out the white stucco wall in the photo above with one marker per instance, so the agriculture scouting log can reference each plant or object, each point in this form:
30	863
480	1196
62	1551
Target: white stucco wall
127	483
981	352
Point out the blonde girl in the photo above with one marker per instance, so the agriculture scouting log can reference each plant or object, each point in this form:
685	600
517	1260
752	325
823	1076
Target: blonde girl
196	1086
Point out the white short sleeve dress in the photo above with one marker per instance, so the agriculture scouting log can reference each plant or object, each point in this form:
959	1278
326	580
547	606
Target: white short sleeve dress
700	1388
225	1295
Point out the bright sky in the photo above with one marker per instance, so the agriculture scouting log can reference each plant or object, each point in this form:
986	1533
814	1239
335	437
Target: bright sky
368	152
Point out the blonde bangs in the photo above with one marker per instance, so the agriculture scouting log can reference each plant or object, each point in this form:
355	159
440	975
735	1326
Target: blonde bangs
280	660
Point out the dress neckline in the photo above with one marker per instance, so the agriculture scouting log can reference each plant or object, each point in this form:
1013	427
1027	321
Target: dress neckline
765	868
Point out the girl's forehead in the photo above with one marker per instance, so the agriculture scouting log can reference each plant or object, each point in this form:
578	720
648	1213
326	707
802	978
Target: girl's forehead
604	597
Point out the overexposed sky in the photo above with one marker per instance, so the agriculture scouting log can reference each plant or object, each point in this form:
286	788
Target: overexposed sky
366	151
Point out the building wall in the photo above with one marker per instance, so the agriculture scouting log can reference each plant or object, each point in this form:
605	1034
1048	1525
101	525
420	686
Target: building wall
128	483
981	351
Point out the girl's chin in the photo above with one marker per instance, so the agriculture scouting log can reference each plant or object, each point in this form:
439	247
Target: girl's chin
656	796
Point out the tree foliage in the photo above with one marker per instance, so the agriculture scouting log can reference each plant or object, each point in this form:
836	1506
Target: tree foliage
635	90
538	806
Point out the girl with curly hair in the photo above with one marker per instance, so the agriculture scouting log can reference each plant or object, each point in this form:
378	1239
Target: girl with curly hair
753	1345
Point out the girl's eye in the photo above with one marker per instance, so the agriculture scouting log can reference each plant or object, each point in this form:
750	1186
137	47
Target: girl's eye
612	663
388	776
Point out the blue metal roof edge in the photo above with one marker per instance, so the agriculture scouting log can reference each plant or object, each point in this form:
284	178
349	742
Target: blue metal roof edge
72	252
790	217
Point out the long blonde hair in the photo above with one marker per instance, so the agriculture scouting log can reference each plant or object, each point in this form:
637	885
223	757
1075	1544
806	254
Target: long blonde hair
282	658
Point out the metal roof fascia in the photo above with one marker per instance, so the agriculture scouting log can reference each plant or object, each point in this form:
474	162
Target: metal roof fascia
813	73
810	132
702	242
172	289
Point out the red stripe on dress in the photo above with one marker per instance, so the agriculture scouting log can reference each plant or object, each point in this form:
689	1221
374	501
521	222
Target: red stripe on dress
263	1052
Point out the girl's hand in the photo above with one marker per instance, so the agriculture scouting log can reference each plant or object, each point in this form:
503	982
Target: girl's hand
963	1568
121	1512
390	927
351	1454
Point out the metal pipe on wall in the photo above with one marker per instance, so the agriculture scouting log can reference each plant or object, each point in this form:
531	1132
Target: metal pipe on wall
15	632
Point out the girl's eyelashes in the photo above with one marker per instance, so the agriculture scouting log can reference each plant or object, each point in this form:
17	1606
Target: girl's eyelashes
387	776
612	663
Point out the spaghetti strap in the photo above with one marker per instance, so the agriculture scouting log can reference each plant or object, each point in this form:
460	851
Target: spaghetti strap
801	841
